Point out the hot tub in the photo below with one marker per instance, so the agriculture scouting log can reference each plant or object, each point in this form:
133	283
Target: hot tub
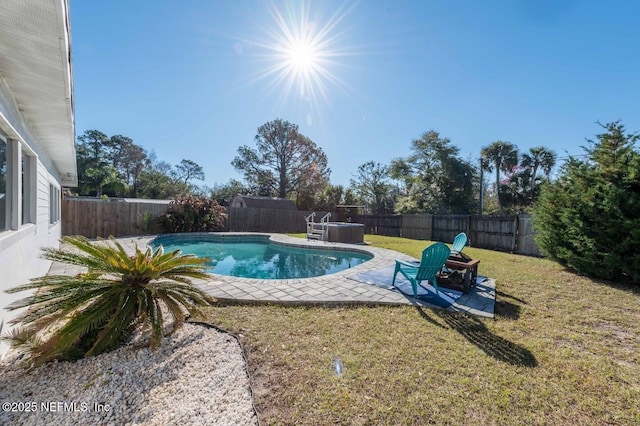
345	232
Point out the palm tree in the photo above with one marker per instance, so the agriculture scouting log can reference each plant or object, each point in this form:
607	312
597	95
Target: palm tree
71	317
501	156
539	158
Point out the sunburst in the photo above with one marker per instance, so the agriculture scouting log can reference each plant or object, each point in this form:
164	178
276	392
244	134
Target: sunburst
302	56
301	52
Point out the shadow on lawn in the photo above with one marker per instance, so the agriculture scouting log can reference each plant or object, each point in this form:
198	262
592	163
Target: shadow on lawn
477	333
503	294
506	309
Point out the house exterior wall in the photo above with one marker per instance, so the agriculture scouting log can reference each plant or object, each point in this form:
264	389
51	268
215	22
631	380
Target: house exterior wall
26	234
37	133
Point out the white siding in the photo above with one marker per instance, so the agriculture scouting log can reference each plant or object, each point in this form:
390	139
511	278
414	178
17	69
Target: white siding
20	250
36	120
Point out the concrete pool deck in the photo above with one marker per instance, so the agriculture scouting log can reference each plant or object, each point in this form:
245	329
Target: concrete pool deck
340	288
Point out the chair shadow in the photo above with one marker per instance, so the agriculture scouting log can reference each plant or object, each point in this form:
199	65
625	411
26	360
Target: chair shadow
426	317
503	294
477	333
507	310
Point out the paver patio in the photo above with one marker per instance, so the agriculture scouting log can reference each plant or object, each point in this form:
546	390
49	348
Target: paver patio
339	288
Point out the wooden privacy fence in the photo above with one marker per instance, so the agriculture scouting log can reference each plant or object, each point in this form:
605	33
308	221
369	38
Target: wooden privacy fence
526	243
495	233
417	226
445	228
492	232
505	233
244	219
390	225
95	217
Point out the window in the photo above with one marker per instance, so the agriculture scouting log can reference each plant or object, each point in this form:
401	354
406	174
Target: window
17	185
4	205
28	188
54	204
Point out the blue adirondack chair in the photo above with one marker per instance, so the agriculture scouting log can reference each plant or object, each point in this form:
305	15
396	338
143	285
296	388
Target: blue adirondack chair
432	261
459	243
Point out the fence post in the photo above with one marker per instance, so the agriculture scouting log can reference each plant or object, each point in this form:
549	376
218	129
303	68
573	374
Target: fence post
431	232
466	230
473	227
514	245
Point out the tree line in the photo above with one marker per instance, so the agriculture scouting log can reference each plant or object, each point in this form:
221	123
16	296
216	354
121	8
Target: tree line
433	178
116	166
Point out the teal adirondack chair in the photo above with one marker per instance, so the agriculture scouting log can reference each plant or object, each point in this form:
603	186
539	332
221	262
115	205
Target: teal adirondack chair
459	243
433	259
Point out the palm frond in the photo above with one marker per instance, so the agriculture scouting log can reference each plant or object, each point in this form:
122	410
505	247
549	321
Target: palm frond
156	321
23	339
176	311
60	306
195	295
115	330
89	318
54	281
72	285
185	301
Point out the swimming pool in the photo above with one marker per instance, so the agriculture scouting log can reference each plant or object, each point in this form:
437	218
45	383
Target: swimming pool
258	257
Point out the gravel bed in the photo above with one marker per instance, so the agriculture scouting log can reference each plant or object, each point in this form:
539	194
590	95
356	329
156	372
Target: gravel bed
197	377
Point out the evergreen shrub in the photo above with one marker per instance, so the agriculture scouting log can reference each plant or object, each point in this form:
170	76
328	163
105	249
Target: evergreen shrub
589	218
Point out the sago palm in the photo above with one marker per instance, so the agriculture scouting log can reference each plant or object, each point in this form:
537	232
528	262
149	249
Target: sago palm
70	317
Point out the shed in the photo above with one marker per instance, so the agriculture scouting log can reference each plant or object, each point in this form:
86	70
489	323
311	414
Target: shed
251	201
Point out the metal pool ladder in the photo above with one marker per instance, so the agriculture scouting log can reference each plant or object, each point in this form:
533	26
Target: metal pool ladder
317	230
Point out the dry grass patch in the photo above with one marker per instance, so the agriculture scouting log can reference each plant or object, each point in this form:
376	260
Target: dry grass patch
563	349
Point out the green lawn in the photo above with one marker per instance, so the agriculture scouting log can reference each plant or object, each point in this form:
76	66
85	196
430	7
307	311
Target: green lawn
563	349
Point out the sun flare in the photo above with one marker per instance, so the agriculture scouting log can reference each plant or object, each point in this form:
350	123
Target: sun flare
302	56
302	52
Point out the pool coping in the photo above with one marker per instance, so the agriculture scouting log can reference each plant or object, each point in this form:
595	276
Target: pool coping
339	288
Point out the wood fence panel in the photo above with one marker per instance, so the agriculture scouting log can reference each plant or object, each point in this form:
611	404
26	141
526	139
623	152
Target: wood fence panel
494	232
145	218
97	230
65	217
417	226
382	224
237	220
526	242
446	227
246	219
271	225
103	218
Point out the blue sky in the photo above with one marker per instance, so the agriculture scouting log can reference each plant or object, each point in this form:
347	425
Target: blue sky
190	79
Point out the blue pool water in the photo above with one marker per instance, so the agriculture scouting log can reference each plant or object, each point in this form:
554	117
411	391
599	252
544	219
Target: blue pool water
262	259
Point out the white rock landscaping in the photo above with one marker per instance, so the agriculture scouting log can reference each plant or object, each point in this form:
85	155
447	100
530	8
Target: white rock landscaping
197	377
